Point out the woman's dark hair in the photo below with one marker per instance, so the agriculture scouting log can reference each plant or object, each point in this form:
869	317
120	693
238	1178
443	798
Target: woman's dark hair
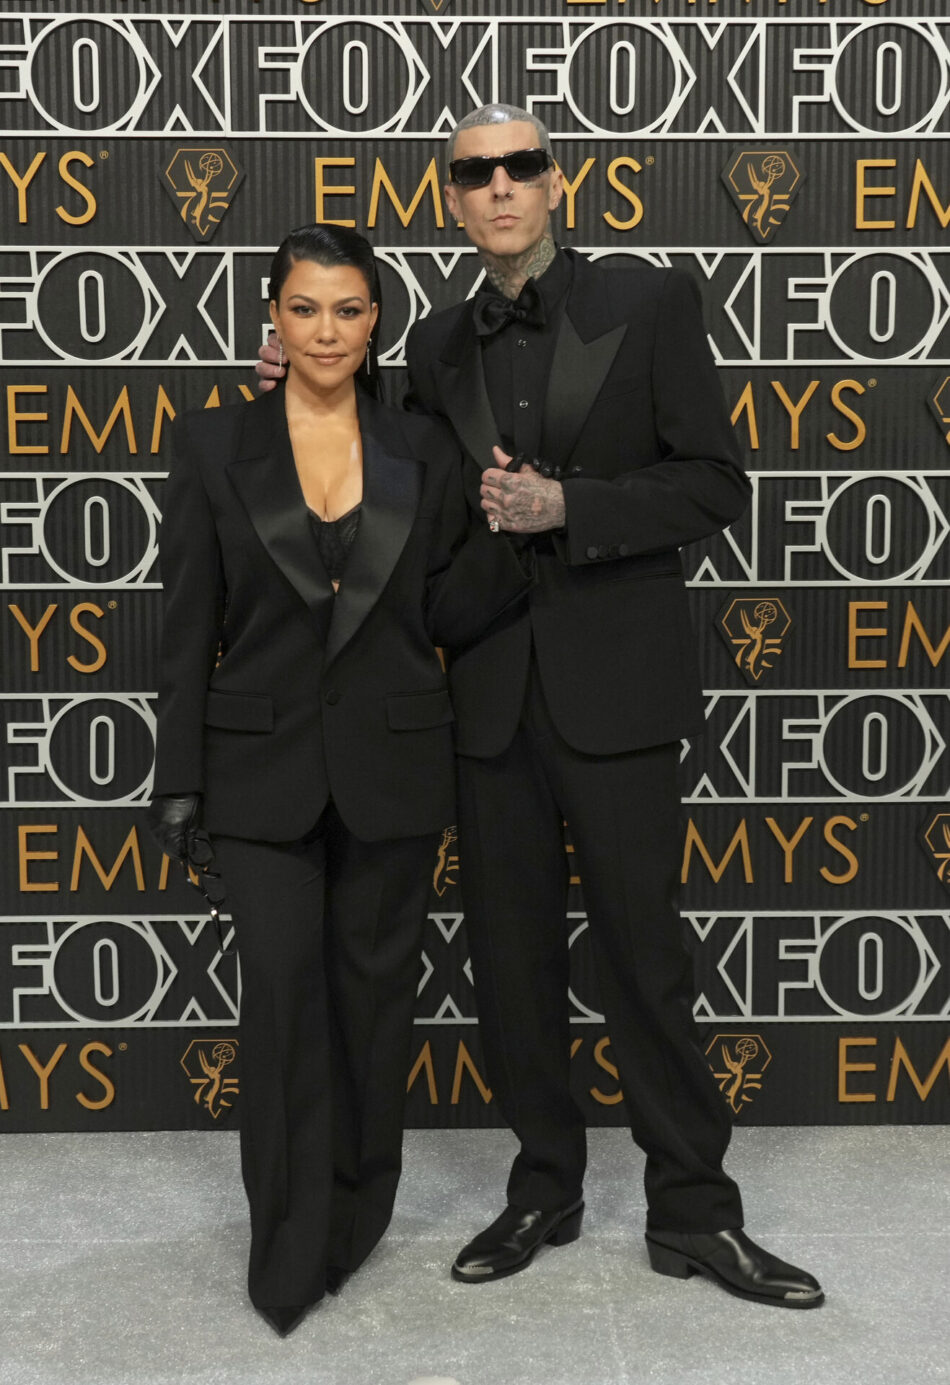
329	246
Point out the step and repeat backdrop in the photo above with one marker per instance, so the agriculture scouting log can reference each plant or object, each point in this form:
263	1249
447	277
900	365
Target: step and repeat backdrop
794	157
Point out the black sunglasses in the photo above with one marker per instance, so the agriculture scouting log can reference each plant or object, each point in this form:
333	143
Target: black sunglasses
477	171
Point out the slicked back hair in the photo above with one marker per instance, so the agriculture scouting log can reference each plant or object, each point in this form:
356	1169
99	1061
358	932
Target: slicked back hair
330	246
498	114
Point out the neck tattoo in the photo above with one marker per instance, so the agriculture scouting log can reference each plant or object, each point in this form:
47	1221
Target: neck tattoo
509	273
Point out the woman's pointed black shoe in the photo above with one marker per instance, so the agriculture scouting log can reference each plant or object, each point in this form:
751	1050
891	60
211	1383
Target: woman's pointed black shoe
284	1320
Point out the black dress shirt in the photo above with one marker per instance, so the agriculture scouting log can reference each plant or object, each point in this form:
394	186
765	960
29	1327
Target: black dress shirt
517	363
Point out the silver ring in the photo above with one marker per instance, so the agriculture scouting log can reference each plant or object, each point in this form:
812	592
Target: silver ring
494	525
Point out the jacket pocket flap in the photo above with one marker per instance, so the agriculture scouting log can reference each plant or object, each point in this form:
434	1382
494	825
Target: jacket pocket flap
239	711
419	711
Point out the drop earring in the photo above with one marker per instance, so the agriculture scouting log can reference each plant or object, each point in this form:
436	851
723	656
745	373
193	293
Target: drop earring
280	353
369	363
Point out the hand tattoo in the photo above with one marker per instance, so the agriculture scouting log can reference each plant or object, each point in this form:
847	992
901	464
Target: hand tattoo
523	502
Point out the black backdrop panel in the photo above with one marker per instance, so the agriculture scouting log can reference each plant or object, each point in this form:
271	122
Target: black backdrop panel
795	159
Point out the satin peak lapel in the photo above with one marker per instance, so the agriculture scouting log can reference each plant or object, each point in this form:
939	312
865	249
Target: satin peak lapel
392	487
577	374
461	379
265	478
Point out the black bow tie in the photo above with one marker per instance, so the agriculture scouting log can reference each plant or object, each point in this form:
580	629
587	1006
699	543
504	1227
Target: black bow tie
492	312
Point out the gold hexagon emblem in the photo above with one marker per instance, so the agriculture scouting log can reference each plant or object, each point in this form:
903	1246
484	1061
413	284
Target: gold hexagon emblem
755	628
202	181
940	406
738	1062
205	1061
935	839
762	183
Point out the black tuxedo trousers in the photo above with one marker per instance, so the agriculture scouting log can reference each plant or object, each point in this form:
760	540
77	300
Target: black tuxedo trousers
623	815
329	932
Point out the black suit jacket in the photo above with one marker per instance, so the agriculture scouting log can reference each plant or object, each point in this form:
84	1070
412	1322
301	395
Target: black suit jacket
635	417
276	694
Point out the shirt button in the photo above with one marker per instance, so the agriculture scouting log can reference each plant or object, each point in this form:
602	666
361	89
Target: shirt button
332	697
522	403
623	550
522	341
603	551
592	552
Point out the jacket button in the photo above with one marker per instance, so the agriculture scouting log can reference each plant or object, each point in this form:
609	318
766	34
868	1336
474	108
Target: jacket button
602	551
623	550
592	552
332	697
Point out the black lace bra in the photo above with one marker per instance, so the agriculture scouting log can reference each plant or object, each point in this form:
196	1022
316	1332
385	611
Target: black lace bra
335	538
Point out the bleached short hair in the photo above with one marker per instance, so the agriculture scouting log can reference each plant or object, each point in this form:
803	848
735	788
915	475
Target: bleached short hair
498	114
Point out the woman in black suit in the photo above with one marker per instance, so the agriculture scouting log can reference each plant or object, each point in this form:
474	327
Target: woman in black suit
304	724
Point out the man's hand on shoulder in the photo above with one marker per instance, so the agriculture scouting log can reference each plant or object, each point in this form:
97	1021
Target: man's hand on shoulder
269	368
523	502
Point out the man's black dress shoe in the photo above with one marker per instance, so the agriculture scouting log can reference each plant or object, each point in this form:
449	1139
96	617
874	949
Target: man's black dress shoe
736	1263
335	1278
509	1244
284	1320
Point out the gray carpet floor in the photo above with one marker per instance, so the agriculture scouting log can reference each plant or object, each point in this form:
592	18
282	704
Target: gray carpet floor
123	1264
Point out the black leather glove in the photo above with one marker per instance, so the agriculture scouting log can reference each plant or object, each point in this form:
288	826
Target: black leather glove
175	823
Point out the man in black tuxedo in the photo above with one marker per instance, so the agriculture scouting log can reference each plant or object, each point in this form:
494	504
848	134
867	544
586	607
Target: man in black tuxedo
597	441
